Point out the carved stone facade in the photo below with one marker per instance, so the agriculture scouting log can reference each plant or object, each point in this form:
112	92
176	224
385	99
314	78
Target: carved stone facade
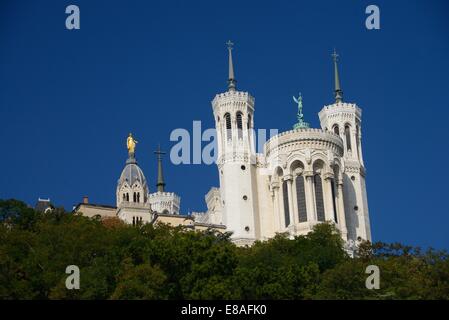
165	202
303	177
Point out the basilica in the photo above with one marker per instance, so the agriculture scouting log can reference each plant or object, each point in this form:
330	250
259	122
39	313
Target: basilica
303	176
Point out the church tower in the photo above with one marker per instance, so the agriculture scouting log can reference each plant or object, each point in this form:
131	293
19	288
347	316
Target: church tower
133	204
344	119
233	112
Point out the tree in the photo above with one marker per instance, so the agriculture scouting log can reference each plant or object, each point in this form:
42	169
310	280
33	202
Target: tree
120	261
140	282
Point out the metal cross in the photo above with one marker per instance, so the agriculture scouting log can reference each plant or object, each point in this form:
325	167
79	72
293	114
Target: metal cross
334	55
230	44
159	152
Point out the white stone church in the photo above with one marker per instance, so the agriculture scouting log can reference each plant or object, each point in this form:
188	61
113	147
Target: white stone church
304	176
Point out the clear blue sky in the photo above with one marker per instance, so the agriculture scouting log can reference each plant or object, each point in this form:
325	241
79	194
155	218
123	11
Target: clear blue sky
69	98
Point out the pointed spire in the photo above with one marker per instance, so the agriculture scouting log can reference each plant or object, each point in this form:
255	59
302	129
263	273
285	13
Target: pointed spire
231	78
338	91
301	123
160	178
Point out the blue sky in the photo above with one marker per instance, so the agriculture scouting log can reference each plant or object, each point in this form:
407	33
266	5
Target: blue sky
69	98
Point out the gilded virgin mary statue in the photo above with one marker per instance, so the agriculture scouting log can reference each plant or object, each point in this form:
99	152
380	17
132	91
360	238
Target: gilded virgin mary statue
131	144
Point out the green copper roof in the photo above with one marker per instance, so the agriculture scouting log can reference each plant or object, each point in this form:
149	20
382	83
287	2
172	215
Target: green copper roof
301	123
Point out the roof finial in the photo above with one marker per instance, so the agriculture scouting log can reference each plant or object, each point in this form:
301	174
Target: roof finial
338	91
301	123
160	178
231	79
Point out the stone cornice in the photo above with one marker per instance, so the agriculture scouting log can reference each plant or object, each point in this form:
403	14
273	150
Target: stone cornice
231	100
355	168
341	108
304	138
164	196
239	157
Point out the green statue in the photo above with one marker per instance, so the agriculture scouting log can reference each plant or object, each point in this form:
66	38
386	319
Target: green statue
301	123
299	102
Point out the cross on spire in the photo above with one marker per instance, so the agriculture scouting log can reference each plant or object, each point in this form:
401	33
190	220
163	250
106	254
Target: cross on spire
231	78
230	44
335	55
159	152
338	92
160	177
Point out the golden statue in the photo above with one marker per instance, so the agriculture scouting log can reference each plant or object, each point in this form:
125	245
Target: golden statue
131	143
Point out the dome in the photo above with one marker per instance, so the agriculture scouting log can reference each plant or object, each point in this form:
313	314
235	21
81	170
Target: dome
132	174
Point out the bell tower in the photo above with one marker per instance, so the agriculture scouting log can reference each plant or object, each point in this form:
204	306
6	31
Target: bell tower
233	112
345	119
132	193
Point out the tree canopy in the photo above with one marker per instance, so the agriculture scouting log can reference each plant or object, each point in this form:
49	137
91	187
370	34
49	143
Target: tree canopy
119	261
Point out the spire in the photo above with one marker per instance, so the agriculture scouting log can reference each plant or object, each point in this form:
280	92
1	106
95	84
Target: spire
338	91
160	178
301	123
231	79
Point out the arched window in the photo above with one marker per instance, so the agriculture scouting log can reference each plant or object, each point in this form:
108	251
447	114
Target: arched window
134	197
248	124
357	142
336	129
286	208
348	137
228	126
124	197
319	197
138	196
127	197
239	125
301	199
134	221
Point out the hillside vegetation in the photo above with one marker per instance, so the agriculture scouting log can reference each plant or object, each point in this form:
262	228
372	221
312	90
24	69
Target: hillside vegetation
119	261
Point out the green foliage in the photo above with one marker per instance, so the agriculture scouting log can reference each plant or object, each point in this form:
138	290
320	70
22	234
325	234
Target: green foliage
118	261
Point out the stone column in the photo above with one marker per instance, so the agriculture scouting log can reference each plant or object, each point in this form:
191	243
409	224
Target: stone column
360	146
310	197
343	137
288	179
341	210
295	200
281	206
275	188
252	140
328	201
233	127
